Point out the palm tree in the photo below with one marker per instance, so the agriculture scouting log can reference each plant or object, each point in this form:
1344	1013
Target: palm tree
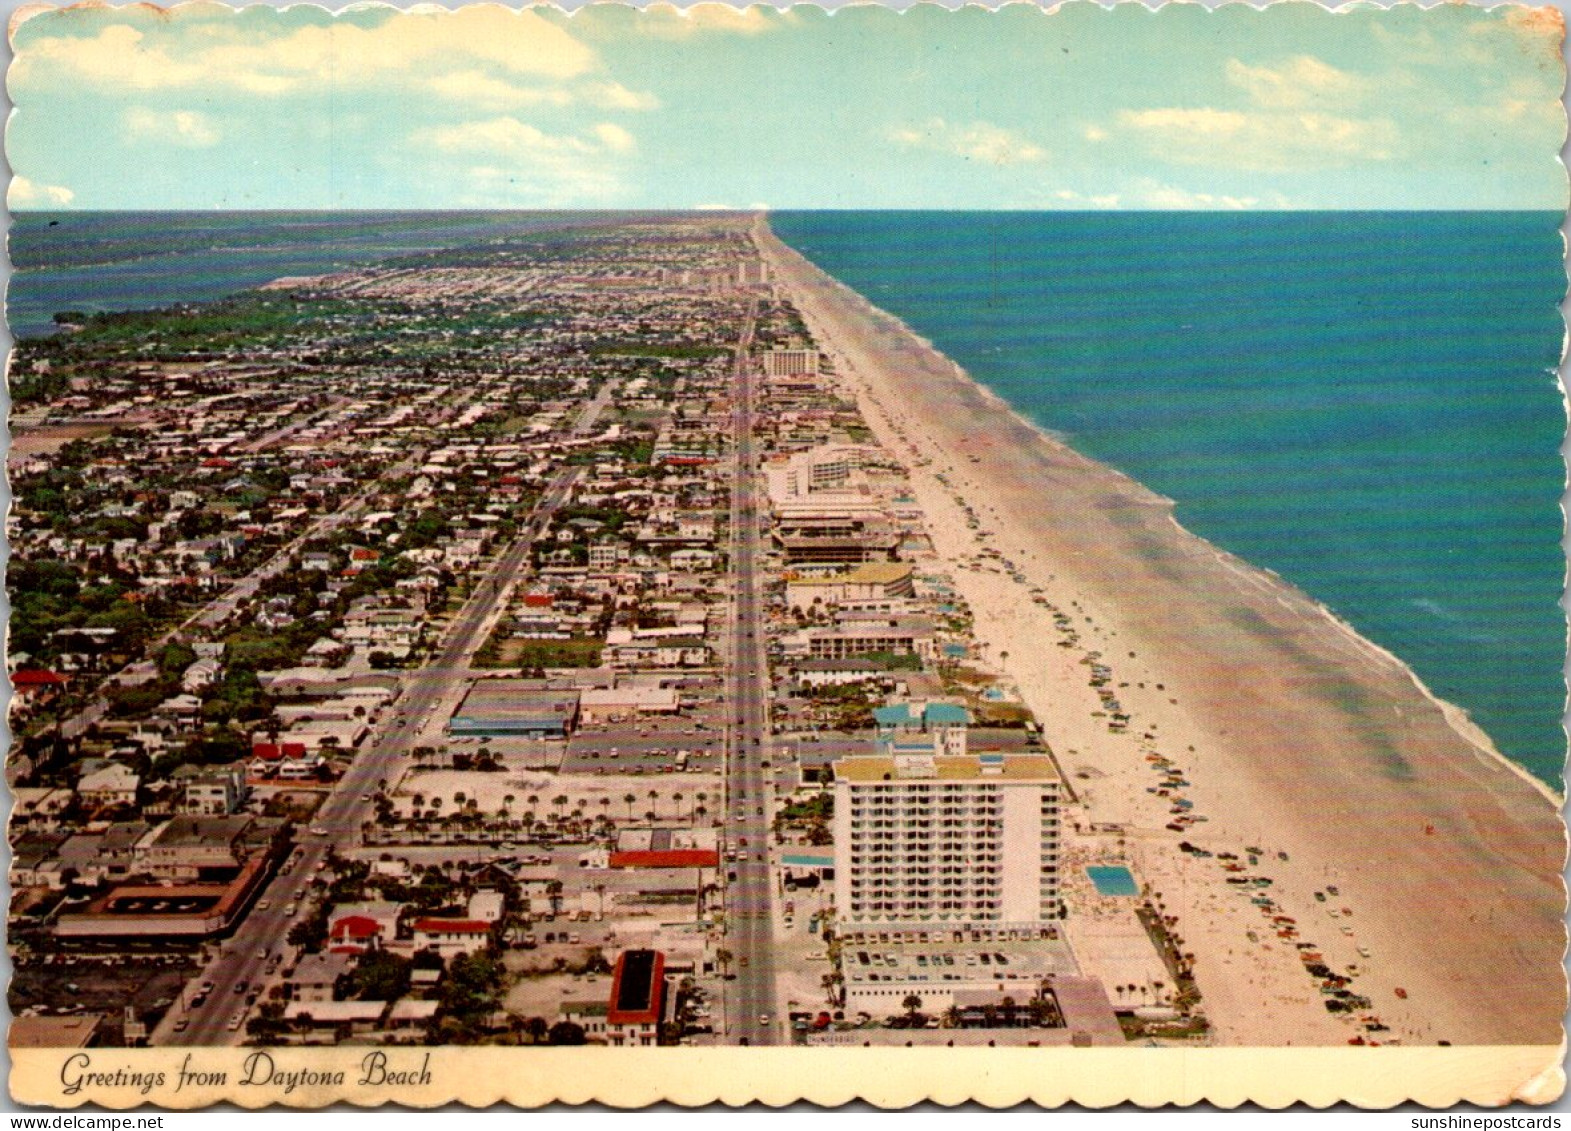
629	798
1009	1010
507	803
724	957
676	799
654	800
560	803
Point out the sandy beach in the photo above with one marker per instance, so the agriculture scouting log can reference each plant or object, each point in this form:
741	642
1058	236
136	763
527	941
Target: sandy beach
1436	861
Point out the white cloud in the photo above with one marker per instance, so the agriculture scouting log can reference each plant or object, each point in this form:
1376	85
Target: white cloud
1300	82
1508	117
517	161
25	193
339	53
1073	199
482	91
1154	194
615	96
188	128
486	92
614	137
1203	123
1095	133
977	141
1261	140
500	135
1301	113
667	21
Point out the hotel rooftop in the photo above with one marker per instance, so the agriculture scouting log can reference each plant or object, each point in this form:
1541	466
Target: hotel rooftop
970	767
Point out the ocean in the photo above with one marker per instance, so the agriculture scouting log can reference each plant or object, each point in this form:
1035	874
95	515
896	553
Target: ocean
1365	403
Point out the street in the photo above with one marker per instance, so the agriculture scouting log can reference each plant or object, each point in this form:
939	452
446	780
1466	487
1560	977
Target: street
751	998
247	956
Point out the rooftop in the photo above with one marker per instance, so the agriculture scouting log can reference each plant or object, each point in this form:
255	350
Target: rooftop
502	697
1009	767
869	573
928	715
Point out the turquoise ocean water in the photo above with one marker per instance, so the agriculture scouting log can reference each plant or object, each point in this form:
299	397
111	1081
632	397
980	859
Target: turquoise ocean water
1365	403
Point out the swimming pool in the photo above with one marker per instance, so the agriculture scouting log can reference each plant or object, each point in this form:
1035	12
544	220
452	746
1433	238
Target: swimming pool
1112	879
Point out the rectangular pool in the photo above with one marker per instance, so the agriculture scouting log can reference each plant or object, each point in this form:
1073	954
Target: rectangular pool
1113	879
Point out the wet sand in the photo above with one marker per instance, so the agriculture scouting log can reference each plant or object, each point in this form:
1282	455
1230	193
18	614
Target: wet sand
1296	735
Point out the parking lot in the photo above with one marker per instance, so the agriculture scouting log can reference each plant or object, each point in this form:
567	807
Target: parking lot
649	744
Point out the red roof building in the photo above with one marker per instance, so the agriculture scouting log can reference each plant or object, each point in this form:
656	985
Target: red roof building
35	680
275	751
637	997
453	926
354	934
667	858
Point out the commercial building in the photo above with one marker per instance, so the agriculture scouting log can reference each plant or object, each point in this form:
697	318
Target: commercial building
602	703
79	1031
501	708
960	846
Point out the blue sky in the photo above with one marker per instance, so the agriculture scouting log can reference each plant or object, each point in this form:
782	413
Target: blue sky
201	107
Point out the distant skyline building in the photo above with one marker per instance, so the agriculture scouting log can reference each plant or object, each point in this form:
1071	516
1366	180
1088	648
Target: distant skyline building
790	363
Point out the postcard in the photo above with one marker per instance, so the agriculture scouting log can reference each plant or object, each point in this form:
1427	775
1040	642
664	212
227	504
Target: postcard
741	554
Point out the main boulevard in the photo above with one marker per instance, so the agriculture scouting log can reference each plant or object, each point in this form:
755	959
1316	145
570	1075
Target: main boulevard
750	1004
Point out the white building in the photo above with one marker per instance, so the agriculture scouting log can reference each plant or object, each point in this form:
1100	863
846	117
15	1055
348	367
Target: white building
790	363
927	843
452	936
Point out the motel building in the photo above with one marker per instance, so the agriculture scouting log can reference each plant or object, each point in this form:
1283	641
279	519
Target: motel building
631	1016
449	937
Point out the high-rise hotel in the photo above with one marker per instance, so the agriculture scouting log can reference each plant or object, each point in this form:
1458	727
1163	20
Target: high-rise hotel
934	841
